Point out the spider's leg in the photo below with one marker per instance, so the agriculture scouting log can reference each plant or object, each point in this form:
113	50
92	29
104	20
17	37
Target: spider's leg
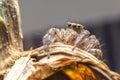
80	38
96	52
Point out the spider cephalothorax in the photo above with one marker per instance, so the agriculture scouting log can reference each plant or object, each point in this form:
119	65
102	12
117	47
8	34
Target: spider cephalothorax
74	35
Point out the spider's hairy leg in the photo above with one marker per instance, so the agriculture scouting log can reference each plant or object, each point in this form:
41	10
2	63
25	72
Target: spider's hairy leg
58	35
92	42
96	52
84	34
48	39
62	31
93	46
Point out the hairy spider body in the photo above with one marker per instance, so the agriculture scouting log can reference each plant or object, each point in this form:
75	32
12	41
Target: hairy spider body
69	36
74	35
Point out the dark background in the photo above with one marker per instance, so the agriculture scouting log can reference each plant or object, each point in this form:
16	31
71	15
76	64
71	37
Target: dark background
101	17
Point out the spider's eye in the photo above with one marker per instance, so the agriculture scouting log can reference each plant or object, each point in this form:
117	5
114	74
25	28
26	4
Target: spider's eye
69	25
73	26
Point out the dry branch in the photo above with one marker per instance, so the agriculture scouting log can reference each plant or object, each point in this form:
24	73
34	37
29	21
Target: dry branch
61	56
10	33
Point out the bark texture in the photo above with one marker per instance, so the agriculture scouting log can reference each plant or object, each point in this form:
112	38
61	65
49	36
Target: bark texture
10	33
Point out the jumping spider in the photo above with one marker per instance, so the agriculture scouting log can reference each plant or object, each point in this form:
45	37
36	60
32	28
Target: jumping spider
74	35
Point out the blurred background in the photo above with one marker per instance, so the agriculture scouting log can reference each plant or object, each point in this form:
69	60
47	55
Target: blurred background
101	17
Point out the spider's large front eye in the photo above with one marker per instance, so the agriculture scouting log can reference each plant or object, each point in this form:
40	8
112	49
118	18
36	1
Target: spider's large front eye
74	26
69	25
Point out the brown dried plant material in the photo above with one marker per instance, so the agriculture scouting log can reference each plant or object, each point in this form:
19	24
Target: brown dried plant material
20	69
10	34
62	56
79	62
